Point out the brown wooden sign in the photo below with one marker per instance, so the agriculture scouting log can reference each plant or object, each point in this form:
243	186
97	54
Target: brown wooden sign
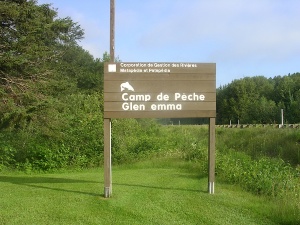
159	90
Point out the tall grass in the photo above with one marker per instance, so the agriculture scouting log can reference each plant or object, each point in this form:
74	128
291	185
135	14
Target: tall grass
262	161
259	142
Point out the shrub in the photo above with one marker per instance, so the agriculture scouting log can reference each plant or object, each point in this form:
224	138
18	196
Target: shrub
272	177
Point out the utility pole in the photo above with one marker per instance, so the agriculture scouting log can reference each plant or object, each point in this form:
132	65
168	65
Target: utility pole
107	121
112	30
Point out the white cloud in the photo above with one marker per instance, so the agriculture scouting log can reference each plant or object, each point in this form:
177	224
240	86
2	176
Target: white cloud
242	28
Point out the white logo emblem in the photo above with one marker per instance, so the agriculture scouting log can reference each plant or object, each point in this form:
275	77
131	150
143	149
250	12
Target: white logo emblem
127	86
112	68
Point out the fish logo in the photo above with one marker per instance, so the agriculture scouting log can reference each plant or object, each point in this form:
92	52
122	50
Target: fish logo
127	86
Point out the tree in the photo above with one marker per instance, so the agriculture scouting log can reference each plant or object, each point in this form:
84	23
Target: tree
241	94
287	95
31	38
50	89
265	111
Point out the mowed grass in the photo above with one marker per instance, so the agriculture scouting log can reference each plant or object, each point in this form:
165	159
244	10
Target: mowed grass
162	192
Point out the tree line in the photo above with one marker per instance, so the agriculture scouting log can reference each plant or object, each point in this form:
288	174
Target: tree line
259	100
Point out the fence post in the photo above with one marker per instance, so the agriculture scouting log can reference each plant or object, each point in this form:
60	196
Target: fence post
211	156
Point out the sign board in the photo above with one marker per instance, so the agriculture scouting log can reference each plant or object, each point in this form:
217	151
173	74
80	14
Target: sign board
159	90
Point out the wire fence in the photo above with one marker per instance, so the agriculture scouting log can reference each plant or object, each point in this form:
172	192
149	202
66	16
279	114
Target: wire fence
291	126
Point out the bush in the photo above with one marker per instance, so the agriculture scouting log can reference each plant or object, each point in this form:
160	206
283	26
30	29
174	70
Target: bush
6	156
272	177
133	139
62	132
262	142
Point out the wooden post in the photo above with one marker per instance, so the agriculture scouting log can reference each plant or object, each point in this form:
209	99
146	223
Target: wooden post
107	121
107	159
211	156
282	118
112	30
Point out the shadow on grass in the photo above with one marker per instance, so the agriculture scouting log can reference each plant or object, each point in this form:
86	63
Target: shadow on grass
184	175
192	176
160	188
34	181
41	180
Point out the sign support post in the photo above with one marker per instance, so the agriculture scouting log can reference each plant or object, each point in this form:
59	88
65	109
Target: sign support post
107	159
112	30
107	121
211	156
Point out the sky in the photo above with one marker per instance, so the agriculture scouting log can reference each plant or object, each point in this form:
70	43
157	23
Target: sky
244	38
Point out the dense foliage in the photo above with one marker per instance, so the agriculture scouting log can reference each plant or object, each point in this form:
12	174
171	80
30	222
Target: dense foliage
260	100
50	90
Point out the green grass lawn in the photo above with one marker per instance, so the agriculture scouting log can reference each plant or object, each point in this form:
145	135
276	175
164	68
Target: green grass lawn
146	193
